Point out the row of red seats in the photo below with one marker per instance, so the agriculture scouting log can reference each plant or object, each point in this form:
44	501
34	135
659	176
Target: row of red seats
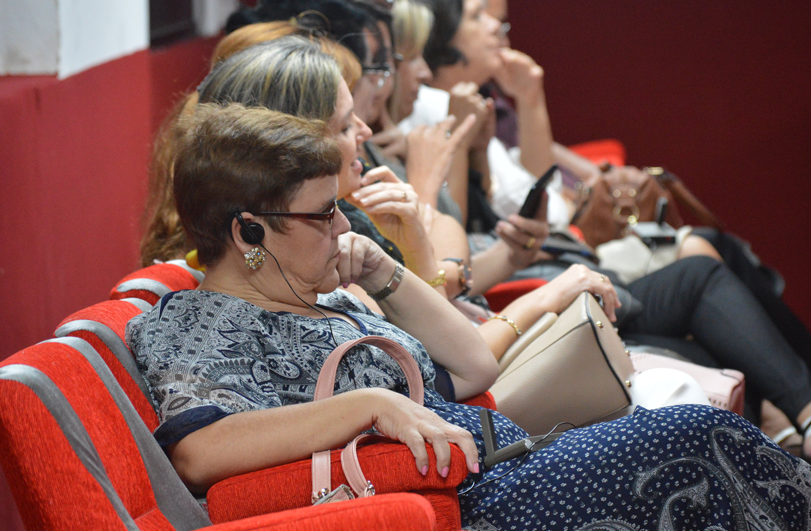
77	451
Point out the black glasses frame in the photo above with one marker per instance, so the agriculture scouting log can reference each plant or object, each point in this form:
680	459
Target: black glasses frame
318	216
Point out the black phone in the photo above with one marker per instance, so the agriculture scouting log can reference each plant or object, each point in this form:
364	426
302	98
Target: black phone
533	201
494	455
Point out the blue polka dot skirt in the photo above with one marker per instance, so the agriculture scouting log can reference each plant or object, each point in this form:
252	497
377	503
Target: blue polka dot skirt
680	468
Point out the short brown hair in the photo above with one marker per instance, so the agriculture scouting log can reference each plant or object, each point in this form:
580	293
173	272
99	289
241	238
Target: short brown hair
236	159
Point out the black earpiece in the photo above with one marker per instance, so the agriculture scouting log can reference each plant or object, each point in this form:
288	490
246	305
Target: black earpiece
252	233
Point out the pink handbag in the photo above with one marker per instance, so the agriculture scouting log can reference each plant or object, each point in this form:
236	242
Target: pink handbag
322	483
723	387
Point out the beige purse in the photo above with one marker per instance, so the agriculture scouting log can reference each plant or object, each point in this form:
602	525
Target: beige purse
573	368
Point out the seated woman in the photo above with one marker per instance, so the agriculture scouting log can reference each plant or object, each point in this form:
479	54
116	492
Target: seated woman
465	46
232	363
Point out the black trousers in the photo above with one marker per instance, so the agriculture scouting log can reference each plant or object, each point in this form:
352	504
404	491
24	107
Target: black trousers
701	297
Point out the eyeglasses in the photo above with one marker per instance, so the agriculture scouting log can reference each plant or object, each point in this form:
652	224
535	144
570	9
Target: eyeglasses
320	216
381	70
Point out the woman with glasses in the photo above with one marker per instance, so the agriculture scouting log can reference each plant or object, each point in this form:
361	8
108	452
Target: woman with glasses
232	366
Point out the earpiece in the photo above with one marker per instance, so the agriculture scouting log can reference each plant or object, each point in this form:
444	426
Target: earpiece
253	233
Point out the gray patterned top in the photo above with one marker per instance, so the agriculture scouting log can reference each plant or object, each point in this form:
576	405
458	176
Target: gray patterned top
206	355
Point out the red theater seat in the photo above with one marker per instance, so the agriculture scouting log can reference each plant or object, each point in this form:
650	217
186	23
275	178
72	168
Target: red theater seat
390	467
153	282
600	151
76	456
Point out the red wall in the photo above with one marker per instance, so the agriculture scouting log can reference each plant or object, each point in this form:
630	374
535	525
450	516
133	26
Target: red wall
718	92
73	165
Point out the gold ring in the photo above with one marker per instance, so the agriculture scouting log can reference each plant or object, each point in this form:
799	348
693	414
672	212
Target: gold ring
602	278
405	197
530	243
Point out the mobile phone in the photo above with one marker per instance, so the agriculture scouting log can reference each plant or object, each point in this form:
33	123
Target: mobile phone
533	201
557	244
655	234
494	455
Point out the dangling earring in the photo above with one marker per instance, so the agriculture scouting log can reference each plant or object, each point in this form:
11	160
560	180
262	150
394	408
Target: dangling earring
255	258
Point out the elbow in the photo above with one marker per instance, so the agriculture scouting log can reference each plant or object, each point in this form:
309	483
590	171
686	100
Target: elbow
192	467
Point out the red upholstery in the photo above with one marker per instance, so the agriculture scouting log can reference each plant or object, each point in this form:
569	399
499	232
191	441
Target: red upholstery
54	489
483	400
391	469
171	276
387	466
600	151
115	315
500	295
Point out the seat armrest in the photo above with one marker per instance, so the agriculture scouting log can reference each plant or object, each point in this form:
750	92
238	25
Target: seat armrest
389	512
389	466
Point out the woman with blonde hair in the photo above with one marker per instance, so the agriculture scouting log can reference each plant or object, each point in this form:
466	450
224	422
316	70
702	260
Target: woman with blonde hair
164	239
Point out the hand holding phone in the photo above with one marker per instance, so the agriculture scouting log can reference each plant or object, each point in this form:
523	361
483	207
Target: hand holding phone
536	194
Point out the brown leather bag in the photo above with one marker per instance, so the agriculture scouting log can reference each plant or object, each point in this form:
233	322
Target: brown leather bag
624	196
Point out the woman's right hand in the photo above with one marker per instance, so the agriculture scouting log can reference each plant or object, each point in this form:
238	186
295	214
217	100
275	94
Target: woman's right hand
361	261
399	418
431	150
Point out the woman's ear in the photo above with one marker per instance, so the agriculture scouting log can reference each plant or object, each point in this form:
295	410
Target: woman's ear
246	232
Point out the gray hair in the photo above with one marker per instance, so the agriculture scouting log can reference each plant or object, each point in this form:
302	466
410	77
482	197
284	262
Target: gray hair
290	75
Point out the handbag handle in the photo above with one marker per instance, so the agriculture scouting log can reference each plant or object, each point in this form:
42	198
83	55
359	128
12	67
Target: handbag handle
324	387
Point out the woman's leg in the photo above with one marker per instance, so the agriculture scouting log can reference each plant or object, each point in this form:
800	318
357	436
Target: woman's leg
681	467
740	260
702	297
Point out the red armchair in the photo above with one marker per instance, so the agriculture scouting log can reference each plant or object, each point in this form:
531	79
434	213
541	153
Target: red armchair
390	467
153	282
76	456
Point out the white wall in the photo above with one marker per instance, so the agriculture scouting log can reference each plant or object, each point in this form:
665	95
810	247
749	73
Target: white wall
28	37
65	37
92	32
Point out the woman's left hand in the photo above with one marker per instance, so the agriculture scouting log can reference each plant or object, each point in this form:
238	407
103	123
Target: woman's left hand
394	207
361	261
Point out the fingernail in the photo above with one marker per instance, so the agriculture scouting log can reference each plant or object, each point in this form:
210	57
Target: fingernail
345	285
424	470
476	468
352	280
444	472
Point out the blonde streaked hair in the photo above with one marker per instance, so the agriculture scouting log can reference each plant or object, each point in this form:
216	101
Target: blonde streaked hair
290	75
254	34
411	27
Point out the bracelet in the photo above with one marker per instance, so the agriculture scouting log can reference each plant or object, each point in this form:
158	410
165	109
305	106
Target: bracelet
391	287
439	280
509	321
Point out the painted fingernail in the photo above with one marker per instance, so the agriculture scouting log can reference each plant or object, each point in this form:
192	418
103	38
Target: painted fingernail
444	472
424	470
476	468
345	285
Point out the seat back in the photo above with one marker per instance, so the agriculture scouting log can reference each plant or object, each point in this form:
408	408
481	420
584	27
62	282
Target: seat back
153	282
103	325
74	450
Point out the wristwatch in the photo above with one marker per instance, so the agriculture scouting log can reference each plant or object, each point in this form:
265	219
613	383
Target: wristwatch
465	275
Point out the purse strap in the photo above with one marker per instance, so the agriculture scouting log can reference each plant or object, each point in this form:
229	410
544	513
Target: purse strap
321	462
684	196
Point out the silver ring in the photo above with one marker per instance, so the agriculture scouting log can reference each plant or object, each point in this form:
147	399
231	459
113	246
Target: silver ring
448	133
